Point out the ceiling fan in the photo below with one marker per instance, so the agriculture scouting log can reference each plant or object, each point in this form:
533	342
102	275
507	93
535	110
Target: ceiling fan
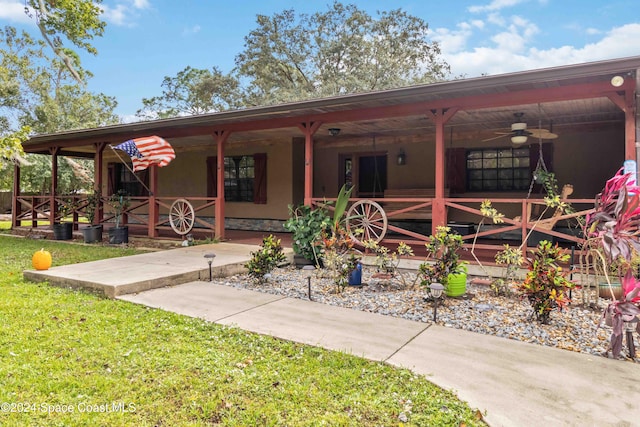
519	132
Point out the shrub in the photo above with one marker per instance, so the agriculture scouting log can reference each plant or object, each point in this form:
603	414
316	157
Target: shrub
387	261
266	259
443	249
546	283
307	225
512	259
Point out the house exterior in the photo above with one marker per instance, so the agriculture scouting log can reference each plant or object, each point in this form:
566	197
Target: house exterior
427	155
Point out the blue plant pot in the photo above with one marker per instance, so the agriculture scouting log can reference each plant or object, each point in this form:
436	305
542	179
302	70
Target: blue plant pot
355	277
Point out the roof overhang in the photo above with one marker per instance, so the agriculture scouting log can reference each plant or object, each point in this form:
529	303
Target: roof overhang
559	87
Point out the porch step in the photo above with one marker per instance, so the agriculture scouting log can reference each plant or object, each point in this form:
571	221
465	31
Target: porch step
132	274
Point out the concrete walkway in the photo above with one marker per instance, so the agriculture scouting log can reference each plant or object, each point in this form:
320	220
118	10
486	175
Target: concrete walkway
512	383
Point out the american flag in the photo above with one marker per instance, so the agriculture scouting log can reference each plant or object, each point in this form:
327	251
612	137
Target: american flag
150	150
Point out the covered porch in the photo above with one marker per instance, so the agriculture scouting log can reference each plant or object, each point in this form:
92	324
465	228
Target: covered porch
424	154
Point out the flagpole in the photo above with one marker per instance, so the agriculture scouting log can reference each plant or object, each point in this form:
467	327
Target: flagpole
131	170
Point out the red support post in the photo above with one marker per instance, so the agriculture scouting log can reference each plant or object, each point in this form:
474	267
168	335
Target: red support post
439	211
220	137
98	165
15	206
309	129
53	205
153	207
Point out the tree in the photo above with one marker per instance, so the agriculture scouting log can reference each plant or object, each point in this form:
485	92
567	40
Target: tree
191	91
338	52
76	20
60	22
39	93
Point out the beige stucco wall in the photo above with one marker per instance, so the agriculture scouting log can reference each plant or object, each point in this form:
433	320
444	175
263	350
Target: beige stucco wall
186	176
584	159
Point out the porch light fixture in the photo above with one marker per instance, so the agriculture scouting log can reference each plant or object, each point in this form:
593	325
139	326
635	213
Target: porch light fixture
402	158
435	289
617	81
209	257
308	271
334	131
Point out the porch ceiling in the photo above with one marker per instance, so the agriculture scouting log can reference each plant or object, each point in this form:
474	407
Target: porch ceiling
553	98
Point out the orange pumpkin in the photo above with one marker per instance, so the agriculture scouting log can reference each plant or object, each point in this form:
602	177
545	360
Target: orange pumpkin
41	260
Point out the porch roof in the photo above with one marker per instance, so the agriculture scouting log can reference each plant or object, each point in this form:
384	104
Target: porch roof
552	96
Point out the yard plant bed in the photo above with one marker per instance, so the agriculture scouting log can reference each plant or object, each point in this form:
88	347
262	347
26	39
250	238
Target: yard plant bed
574	328
119	364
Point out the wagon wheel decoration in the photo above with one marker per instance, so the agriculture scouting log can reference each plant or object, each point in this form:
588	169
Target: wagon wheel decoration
366	220
181	216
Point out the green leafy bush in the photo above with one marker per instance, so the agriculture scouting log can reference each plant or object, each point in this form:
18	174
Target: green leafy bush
266	259
546	284
307	225
443	249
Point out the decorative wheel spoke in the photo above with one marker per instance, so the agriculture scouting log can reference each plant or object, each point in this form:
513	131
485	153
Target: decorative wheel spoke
366	220
181	216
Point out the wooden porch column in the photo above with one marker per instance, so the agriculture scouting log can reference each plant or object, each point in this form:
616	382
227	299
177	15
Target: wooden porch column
98	165
308	129
53	205
630	125
15	206
439	211
221	138
627	103
153	208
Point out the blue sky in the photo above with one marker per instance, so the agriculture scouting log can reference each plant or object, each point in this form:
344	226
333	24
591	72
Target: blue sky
146	40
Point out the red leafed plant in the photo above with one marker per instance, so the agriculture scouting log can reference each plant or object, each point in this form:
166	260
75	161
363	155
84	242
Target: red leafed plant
614	227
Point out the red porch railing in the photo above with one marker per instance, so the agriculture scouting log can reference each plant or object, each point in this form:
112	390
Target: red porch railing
415	229
36	211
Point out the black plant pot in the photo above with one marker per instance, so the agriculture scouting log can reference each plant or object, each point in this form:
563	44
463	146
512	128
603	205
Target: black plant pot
63	231
118	235
92	233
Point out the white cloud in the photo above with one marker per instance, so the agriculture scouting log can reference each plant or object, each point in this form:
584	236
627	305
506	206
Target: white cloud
123	13
12	10
117	15
493	6
509	55
191	30
141	4
593	31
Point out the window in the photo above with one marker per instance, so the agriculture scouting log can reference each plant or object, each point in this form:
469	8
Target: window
498	169
238	179
121	178
245	178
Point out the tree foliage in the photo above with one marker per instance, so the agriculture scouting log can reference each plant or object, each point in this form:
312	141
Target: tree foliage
291	57
38	93
77	21
192	91
342	51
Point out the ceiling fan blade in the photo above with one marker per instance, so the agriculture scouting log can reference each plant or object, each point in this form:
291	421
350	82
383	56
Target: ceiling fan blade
542	134
496	137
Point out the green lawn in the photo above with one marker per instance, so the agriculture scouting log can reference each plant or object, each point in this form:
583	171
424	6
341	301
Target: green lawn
114	363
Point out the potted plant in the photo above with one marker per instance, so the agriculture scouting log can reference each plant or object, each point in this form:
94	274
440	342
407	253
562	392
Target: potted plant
120	202
63	230
613	228
443	263
93	232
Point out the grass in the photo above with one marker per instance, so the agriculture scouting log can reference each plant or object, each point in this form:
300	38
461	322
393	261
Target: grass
64	349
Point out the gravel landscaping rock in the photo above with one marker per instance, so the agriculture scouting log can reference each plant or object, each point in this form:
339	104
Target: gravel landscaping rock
479	310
